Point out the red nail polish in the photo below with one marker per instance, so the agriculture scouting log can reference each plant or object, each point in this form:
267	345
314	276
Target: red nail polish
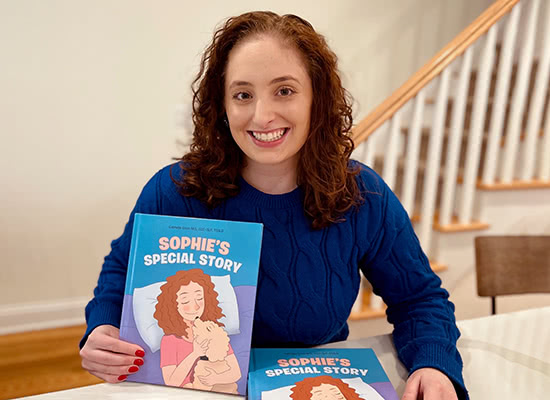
138	361
122	377
133	369
140	353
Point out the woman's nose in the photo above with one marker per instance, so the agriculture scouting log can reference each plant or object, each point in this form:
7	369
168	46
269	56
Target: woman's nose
197	306
263	113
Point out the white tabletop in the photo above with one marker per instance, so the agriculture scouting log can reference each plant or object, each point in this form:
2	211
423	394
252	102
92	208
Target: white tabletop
506	356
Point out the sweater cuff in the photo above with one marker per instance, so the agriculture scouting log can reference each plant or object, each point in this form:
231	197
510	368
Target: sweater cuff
104	314
443	358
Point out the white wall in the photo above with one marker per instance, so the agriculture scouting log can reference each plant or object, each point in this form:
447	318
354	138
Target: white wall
89	100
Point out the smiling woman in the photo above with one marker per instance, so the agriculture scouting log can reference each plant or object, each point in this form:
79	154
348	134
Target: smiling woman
269	112
279	117
271	144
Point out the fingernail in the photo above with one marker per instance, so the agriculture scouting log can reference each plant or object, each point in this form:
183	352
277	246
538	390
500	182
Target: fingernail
133	369
138	361
140	353
122	377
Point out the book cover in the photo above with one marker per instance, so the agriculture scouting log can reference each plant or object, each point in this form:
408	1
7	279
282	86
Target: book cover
189	300
317	373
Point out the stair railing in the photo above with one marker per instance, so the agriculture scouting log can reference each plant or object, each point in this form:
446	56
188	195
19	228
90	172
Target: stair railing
463	72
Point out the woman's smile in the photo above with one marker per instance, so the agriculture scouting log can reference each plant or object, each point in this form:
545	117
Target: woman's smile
269	138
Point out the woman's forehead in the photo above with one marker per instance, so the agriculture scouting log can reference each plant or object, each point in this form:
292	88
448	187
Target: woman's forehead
262	60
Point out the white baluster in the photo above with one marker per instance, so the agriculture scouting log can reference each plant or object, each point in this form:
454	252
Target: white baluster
520	93
456	134
412	150
369	155
390	160
476	133
500	98
431	173
544	167
360	152
537	104
366	149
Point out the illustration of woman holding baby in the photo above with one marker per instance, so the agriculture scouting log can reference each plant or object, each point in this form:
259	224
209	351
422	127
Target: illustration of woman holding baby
195	350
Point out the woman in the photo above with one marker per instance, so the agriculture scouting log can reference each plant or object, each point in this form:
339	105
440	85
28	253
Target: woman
271	144
186	296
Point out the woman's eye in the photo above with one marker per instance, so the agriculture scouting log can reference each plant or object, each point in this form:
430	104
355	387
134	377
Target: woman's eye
242	96
285	91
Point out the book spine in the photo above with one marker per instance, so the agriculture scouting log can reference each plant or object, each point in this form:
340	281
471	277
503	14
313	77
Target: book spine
251	370
133	252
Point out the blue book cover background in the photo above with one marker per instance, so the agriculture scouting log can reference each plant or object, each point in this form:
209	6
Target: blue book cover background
295	374
227	251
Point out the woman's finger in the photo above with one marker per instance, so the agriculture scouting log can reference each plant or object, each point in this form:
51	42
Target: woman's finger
411	390
108	377
108	358
114	345
117	370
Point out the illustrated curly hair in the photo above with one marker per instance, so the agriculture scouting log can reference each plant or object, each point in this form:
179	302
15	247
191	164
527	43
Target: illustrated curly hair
302	389
166	310
214	162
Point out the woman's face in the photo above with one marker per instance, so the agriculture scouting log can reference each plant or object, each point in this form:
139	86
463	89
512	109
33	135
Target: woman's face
268	99
326	391
190	299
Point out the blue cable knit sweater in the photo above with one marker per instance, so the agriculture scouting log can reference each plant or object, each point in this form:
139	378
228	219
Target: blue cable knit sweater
309	279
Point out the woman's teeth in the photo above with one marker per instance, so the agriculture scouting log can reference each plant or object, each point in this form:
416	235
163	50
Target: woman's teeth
269	137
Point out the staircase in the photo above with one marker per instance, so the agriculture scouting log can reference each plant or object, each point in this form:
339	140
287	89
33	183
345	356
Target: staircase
474	118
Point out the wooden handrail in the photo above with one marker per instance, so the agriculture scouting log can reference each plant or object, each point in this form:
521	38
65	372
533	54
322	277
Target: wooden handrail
432	69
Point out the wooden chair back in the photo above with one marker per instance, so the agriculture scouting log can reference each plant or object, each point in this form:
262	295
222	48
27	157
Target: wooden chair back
512	265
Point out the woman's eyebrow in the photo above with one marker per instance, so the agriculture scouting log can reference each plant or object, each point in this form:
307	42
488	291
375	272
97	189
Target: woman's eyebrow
276	80
283	79
239	83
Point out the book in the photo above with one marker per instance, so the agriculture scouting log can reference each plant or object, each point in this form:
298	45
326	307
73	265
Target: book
317	373
189	300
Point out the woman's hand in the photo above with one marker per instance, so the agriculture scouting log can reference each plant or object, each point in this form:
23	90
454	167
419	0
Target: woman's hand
429	384
109	358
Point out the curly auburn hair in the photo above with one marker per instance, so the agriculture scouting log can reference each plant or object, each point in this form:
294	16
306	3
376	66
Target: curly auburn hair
215	161
302	390
166	310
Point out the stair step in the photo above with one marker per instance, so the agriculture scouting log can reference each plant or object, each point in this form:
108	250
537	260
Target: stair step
454	226
515	185
368	313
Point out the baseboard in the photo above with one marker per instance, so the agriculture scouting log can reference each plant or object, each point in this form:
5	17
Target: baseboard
25	317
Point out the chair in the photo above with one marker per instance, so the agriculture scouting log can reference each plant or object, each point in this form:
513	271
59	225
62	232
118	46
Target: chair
512	265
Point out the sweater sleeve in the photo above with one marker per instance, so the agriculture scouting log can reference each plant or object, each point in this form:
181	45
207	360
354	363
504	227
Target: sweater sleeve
425	332
106	306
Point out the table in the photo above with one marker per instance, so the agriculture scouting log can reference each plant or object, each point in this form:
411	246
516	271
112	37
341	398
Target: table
506	356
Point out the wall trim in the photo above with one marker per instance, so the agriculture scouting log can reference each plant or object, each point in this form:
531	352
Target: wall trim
15	318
